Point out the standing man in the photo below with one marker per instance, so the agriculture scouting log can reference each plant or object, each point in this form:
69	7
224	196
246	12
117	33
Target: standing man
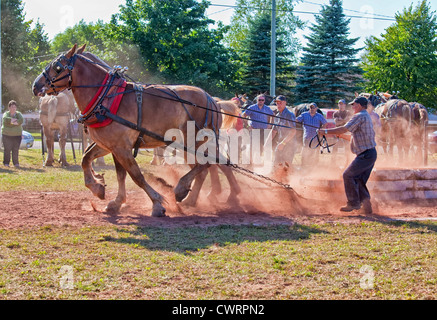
260	117
284	129
363	145
341	117
311	121
11	134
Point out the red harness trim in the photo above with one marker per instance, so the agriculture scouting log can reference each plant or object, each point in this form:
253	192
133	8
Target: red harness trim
116	100
114	107
93	101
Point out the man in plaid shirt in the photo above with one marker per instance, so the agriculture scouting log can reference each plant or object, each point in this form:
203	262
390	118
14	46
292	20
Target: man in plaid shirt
363	145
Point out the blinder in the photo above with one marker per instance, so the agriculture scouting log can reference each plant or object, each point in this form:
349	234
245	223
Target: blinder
58	68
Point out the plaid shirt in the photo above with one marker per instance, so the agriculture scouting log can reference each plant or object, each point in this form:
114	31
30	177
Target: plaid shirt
283	132
310	125
363	135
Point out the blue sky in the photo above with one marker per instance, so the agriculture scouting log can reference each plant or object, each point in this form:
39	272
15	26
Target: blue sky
57	15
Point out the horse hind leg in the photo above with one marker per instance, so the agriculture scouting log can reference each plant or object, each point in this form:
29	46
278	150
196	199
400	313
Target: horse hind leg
115	205
62	143
234	186
50	144
191	200
183	187
127	161
216	187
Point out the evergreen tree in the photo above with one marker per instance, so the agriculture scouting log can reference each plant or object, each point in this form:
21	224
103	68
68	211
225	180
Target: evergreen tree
256	54
328	71
404	58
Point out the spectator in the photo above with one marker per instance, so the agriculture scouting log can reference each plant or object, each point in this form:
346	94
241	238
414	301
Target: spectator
311	121
284	131
341	117
260	117
11	134
363	145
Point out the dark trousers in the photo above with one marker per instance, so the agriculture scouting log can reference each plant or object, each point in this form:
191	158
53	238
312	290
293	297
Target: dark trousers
356	175
11	144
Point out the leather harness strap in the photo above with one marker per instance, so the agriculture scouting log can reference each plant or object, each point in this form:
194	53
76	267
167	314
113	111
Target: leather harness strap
139	95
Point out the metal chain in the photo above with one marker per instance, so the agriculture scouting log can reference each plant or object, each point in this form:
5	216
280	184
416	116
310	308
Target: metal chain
252	175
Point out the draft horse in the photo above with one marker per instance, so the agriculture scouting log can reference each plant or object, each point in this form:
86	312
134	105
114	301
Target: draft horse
143	116
395	118
54	115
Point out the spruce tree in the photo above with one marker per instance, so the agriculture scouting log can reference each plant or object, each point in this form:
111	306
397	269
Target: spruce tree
328	71
256	55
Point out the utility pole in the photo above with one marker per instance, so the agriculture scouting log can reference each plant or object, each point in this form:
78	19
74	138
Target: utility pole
1	96
273	52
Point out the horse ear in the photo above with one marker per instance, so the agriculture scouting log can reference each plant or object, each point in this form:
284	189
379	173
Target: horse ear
81	49
356	94
72	51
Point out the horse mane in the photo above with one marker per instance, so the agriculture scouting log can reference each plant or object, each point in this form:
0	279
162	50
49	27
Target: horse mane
229	107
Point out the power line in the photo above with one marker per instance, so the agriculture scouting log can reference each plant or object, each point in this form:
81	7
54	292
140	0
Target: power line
350	10
309	12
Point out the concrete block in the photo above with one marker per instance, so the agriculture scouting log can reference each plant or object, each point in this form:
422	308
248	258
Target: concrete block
385	186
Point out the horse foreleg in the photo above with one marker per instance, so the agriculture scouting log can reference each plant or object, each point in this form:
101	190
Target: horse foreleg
183	187
126	159
93	181
115	205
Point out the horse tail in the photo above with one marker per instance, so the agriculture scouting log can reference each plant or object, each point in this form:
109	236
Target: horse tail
52	109
232	111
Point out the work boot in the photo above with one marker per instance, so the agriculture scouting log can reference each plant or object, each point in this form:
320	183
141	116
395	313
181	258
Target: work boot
349	208
367	207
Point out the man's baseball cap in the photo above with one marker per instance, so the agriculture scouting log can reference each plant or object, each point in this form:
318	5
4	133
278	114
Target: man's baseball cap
342	101
360	100
281	98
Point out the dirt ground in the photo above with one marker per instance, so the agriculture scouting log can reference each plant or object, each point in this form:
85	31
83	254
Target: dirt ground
259	205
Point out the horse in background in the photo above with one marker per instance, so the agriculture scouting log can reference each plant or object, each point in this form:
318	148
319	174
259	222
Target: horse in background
395	116
55	112
419	121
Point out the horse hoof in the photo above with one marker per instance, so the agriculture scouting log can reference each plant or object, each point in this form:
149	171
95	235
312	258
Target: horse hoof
158	211
98	190
181	193
112	208
189	202
233	200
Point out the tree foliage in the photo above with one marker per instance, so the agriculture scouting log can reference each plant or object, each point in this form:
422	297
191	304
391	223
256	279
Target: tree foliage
21	48
328	71
404	58
176	43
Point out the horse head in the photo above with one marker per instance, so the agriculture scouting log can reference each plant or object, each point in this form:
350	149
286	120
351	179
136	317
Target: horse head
56	77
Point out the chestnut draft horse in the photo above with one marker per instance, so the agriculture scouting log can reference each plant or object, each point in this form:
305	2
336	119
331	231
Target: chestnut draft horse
144	115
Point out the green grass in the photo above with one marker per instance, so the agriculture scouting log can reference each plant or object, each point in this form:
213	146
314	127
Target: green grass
32	176
224	262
